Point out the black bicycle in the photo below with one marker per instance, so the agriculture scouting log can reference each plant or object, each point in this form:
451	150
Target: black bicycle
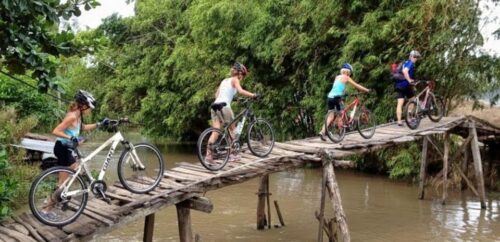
215	146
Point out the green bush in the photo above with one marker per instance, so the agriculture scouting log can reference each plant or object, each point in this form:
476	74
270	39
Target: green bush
15	175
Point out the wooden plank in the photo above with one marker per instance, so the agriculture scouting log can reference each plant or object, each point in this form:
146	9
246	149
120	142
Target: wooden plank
83	226
47	232
334	192
201	204
32	231
15	234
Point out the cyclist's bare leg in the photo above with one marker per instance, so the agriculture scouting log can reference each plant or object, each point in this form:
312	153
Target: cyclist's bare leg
329	120
399	110
216	123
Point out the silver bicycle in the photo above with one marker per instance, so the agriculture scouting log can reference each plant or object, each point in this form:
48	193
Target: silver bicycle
59	195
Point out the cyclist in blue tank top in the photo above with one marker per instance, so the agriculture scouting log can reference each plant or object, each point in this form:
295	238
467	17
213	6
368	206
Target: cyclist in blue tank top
403	86
67	133
338	90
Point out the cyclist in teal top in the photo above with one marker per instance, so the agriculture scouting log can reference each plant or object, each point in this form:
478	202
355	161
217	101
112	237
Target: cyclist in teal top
338	90
68	132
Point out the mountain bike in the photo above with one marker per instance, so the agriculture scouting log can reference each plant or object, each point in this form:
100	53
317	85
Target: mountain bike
56	201
425	103
221	143
359	117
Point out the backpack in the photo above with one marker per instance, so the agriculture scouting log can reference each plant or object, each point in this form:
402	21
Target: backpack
397	71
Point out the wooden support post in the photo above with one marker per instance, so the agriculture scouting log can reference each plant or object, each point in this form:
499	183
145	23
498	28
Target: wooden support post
184	221
478	167
423	168
268	204
465	165
278	211
333	190
445	165
149	226
261	203
321	213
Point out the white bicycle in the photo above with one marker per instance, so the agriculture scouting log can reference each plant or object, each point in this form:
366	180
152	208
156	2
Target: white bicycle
57	201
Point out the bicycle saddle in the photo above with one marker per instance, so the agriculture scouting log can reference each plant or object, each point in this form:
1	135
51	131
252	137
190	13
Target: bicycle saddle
218	106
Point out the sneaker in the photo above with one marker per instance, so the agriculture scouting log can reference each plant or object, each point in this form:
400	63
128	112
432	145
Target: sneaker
322	136
234	157
49	215
400	124
209	158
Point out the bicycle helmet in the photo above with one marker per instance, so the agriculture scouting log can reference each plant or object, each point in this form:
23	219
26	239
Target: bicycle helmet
348	67
240	68
85	98
415	53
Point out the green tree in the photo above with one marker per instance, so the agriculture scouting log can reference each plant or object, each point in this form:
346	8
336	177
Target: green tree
164	64
29	36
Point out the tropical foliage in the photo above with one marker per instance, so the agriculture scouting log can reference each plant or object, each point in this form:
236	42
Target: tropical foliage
163	65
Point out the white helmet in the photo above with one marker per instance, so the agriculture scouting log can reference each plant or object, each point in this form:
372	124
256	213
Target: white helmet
84	97
415	53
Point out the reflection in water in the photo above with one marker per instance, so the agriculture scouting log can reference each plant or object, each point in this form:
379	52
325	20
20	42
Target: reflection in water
377	208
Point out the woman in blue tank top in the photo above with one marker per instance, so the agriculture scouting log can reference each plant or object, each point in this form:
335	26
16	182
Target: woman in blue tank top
335	95
67	133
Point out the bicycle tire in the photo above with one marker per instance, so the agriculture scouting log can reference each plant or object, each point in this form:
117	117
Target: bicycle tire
338	134
366	133
154	180
200	146
412	117
32	196
253	128
432	103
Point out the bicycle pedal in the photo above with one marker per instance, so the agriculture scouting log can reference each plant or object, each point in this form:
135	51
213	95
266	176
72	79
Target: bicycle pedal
107	200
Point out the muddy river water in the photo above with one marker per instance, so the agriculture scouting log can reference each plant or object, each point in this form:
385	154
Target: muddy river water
377	209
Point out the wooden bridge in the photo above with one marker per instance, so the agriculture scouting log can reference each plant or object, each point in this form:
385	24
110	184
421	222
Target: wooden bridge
184	185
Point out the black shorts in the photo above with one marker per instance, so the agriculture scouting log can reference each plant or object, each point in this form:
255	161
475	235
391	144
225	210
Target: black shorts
65	156
405	92
335	104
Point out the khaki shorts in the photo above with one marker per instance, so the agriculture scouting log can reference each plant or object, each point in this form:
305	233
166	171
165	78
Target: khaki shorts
227	114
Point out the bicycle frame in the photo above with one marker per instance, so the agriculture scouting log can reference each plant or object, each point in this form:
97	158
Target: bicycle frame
427	92
353	105
243	115
113	143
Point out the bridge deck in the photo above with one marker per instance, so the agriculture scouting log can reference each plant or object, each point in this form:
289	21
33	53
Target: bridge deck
187	180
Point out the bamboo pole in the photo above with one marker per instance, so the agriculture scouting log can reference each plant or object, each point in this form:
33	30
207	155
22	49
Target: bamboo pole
278	211
423	167
478	167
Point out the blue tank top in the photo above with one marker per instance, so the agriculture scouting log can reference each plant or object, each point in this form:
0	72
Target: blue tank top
72	132
338	88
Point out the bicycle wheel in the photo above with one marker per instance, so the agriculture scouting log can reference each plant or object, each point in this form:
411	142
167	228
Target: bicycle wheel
213	148
48	201
260	138
335	130
366	123
140	169
412	117
435	108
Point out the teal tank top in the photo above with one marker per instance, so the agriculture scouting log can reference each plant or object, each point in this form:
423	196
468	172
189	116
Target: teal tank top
338	88
74	132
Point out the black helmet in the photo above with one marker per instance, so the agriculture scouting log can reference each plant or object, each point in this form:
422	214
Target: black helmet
240	68
85	98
